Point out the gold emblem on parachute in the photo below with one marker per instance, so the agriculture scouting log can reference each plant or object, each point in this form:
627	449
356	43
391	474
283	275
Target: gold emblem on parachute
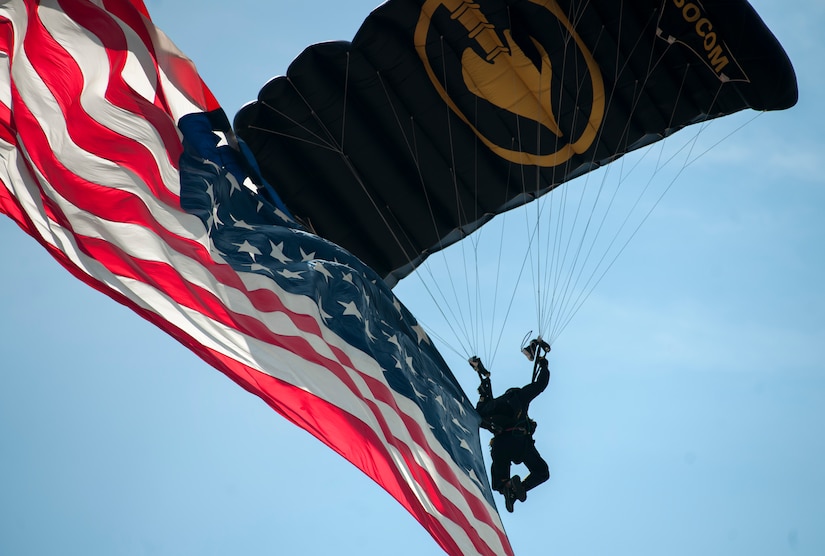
508	79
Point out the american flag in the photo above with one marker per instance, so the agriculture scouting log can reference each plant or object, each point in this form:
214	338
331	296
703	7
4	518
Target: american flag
119	161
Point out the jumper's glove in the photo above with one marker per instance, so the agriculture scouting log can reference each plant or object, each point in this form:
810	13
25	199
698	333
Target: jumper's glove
533	350
476	364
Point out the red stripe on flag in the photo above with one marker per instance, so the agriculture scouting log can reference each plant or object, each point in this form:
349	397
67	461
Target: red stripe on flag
180	70
62	75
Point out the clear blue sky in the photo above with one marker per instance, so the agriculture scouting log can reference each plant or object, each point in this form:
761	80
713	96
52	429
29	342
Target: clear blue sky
685	415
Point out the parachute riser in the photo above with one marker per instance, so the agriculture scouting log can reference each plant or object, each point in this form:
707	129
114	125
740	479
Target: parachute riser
536	351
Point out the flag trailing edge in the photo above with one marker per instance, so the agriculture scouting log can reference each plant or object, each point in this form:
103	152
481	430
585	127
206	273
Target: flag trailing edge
118	160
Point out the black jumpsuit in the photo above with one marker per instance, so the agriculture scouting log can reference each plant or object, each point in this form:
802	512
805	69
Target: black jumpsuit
506	417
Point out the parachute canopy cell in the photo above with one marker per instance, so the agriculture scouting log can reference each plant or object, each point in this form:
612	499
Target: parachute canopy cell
441	114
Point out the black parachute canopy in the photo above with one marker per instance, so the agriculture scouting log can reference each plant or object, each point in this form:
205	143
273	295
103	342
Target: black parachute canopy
441	114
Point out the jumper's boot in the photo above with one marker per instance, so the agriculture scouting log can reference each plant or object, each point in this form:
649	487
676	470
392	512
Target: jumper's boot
509	497
518	488
512	491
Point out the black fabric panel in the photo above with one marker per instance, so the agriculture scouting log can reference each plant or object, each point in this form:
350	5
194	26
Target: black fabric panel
358	140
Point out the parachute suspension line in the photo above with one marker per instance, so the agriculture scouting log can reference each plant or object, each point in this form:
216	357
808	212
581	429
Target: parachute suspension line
475	291
551	270
537	272
548	271
516	283
328	143
573	284
485	333
467	320
499	257
553	274
321	143
412	147
496	329
530	187
554	265
723	139
434	287
533	243
562	245
689	145
491	334
445	342
588	290
531	234
561	241
563	297
567	302
578	266
560	272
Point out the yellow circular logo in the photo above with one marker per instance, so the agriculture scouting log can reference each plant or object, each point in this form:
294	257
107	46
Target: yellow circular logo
498	72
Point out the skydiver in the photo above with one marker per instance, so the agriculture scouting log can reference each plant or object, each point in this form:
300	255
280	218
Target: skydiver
506	417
